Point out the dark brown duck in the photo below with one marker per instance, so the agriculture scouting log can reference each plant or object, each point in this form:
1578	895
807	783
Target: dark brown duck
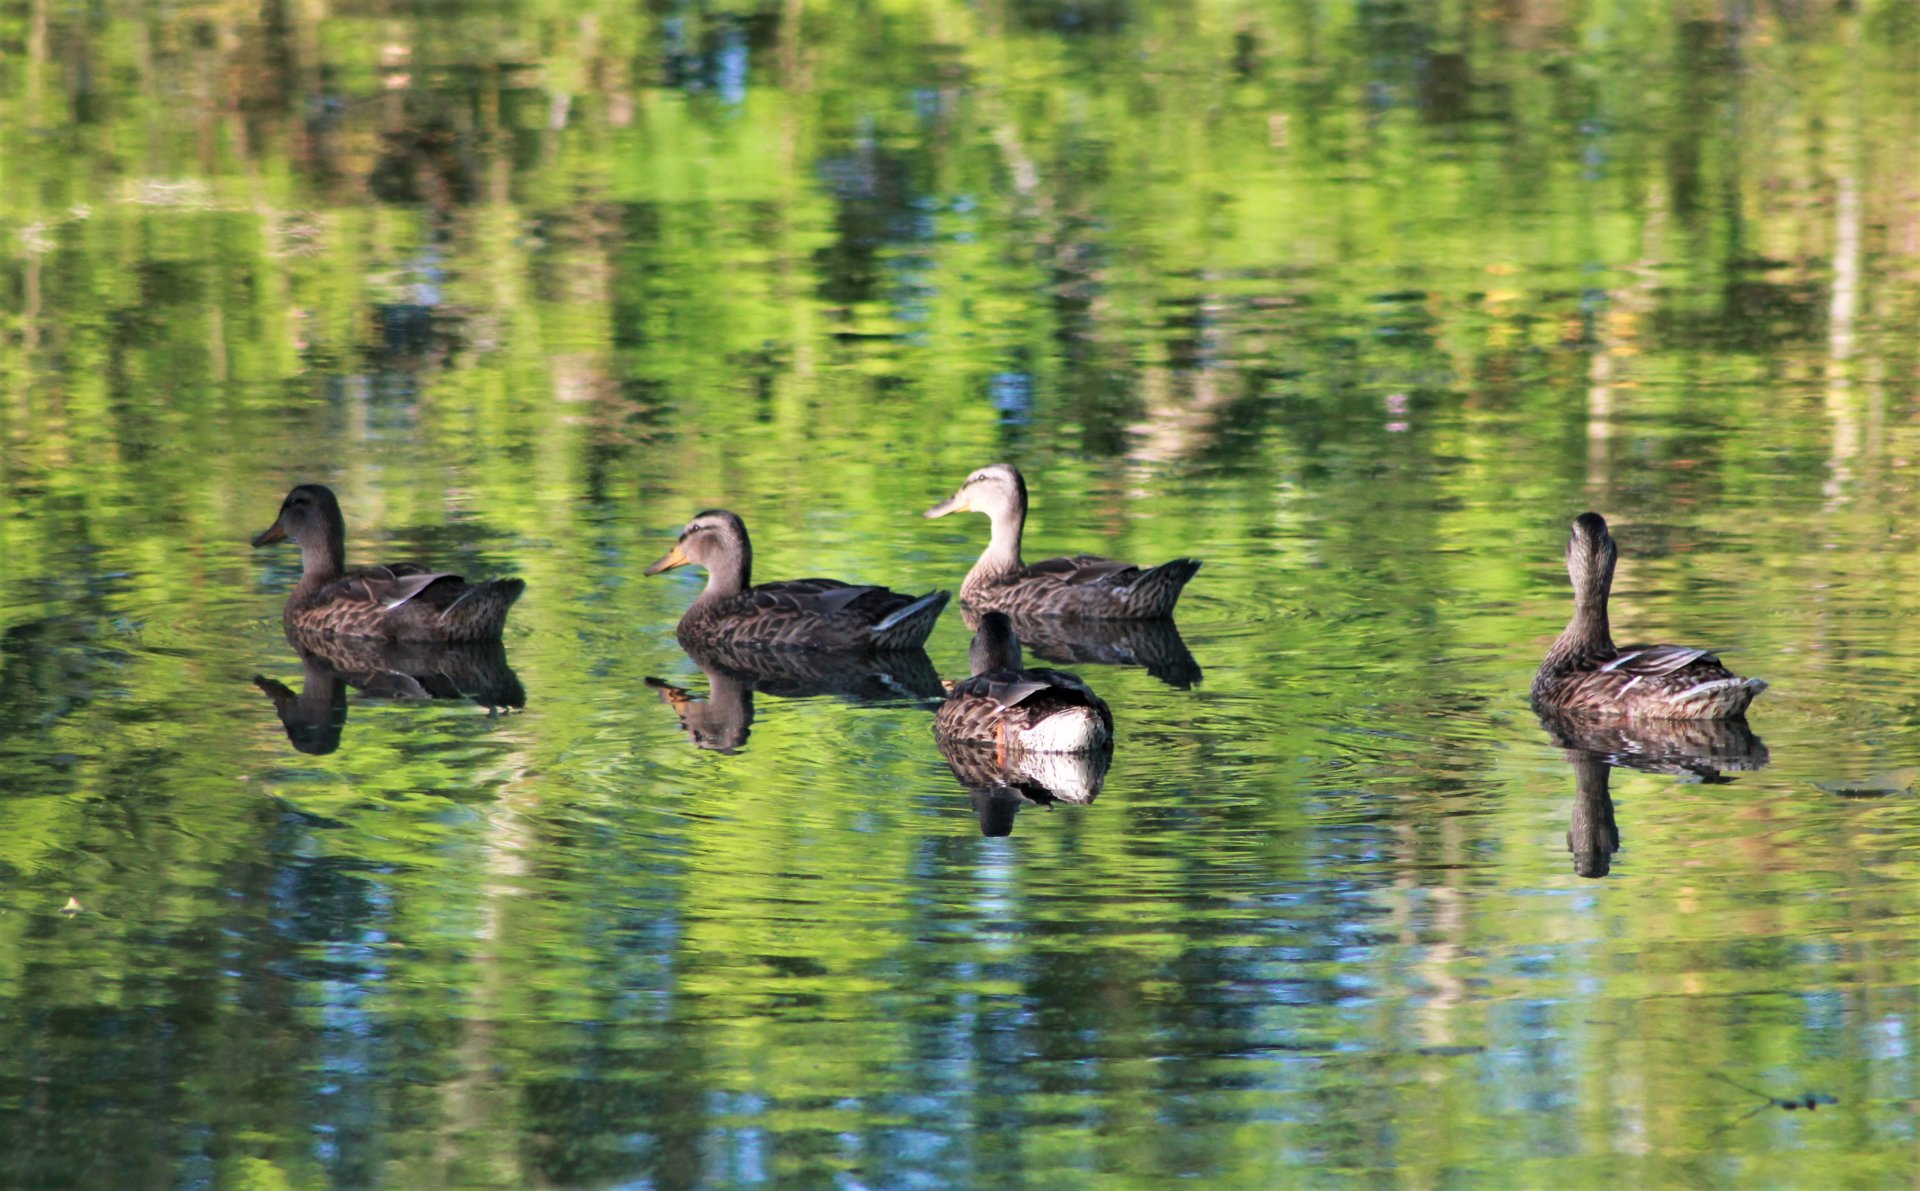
1018	709
400	602
1585	671
794	613
1084	585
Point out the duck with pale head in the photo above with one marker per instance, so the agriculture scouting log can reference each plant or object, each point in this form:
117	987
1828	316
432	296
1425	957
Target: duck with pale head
1083	585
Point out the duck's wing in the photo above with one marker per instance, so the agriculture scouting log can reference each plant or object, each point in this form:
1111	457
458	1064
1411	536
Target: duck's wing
387	587
819	597
1060	680
1656	661
1082	570
811	596
1005	688
1658	681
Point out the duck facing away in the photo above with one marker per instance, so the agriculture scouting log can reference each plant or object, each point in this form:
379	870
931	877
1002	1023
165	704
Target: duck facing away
1021	710
399	602
1586	672
1079	586
796	613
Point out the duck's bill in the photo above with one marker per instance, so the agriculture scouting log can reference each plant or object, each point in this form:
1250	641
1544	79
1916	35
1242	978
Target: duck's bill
957	503
268	536
671	559
670	694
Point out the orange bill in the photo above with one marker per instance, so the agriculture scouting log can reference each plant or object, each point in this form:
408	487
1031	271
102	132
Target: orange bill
671	559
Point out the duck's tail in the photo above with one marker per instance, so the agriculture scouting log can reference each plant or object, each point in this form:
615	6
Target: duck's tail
1718	699
481	611
1067	730
1156	591
908	628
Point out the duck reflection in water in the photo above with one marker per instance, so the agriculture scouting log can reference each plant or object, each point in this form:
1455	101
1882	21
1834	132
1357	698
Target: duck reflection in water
1076	641
724	719
316	715
1003	784
1696	750
1018	737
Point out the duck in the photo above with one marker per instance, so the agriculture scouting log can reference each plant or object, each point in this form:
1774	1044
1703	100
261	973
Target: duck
1083	586
1586	673
1019	709
823	614
397	602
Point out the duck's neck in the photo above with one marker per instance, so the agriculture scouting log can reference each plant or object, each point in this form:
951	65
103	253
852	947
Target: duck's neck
322	561
1002	555
1587	633
994	649
727	575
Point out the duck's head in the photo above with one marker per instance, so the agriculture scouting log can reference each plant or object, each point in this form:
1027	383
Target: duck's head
1591	555
714	536
994	645
310	516
995	490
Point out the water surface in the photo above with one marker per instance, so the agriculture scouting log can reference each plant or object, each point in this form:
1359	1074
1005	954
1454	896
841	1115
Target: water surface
1358	302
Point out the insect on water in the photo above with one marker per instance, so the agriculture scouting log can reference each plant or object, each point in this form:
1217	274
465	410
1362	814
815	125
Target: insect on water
1807	1100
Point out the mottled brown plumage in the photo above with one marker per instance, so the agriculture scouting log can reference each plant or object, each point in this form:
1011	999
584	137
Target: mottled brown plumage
1083	585
795	613
396	602
1585	672
1019	709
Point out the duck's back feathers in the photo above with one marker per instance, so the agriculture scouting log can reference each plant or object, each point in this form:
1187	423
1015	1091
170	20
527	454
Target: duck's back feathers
1653	681
1037	710
816	614
1083	585
405	602
1657	661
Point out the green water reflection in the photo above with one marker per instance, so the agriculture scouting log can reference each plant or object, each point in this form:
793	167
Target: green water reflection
1359	302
